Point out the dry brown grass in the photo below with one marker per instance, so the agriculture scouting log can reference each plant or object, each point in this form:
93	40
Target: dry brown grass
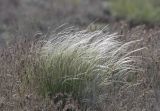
144	95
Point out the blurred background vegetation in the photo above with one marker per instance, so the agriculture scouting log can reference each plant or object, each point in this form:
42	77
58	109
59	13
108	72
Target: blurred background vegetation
23	18
137	11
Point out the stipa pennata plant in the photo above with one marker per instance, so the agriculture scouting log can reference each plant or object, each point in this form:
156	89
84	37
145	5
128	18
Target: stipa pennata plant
82	64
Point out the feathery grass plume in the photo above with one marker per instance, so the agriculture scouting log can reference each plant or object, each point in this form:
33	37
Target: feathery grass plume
81	63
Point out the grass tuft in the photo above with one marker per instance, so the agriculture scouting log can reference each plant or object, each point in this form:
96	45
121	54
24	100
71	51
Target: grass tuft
82	64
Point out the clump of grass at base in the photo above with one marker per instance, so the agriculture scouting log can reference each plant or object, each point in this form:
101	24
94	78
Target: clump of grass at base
138	11
81	64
